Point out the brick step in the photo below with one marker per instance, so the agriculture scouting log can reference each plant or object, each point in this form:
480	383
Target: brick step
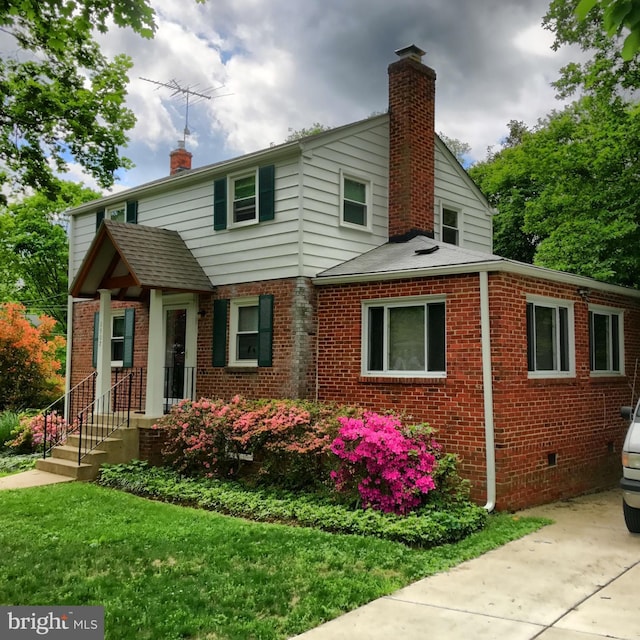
68	468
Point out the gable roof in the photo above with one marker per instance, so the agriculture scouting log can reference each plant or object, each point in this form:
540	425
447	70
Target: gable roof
421	256
131	258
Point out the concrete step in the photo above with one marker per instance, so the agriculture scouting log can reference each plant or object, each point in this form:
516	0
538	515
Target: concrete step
68	452
91	441
68	468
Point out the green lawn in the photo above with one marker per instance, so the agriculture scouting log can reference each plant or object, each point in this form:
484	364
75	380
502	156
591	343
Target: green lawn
165	572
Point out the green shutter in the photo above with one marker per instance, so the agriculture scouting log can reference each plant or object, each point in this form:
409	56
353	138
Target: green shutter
220	204
265	330
129	326
99	218
531	361
132	212
220	310
96	329
266	188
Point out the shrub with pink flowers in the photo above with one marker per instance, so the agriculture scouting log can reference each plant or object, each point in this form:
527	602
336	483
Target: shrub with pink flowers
31	433
390	466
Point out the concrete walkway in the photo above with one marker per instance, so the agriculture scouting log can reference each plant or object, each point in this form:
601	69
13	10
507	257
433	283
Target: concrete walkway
31	478
578	579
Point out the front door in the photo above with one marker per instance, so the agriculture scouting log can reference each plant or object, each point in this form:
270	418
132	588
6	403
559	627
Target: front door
179	360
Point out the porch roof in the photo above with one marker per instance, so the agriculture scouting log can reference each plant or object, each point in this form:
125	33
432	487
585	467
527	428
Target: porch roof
130	259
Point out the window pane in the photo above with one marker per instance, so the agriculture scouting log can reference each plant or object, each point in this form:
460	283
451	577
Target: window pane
117	350
407	338
450	218
436	337
355	191
545	338
600	342
450	235
376	339
248	318
117	330
247	346
355	213
244	187
117	215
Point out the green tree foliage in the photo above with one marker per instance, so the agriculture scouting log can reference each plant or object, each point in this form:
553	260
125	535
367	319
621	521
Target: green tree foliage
29	369
459	149
34	249
315	128
567	193
617	15
60	96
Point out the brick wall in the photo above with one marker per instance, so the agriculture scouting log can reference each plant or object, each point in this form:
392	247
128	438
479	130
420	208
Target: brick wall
554	437
292	374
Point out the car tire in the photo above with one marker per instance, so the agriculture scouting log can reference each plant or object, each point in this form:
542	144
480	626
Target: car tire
631	517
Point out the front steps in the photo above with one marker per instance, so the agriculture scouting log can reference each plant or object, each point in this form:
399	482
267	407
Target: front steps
121	446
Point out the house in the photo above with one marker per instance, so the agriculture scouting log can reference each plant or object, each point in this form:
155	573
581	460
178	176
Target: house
355	266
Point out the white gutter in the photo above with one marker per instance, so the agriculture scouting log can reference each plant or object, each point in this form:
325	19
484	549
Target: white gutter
487	385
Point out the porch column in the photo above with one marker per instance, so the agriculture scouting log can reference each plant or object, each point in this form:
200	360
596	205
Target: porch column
103	359
155	359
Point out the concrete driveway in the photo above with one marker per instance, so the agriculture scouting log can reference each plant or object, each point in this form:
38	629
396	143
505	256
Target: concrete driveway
577	579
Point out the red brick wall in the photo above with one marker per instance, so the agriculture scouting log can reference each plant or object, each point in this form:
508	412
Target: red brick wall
577	419
294	325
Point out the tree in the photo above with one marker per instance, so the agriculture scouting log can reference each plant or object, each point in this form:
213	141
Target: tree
315	128
569	191
34	249
457	147
616	16
29	370
60	96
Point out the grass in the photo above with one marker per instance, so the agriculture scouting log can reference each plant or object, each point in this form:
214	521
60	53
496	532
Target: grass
168	572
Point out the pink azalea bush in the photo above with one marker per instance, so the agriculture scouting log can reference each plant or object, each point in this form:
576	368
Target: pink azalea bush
31	434
390	466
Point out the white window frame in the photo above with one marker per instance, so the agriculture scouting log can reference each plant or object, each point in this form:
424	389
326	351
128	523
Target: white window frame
116	208
234	316
345	175
231	180
556	304
388	303
114	316
610	312
458	228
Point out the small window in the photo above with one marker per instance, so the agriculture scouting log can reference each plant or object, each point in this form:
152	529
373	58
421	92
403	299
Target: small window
244	332
243	198
117	340
450	228
355	203
605	328
404	338
549	338
117	214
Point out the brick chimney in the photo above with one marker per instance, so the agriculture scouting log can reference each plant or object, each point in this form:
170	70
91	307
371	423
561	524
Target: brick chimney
180	159
412	92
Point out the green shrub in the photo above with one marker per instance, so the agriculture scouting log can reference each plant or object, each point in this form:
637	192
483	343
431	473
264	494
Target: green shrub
9	422
14	463
427	528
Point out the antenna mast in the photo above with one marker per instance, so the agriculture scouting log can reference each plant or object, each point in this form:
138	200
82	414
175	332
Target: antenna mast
186	91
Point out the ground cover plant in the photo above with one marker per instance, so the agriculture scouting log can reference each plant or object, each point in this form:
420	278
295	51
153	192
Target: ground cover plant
10	463
166	571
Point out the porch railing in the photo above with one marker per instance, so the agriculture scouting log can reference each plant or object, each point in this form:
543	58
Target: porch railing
61	416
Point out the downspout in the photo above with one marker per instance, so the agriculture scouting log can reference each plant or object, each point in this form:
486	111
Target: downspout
487	385
68	369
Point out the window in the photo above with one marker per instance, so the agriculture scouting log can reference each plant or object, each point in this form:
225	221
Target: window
605	329
122	338
450	228
122	212
549	338
250	331
404	337
355	202
117	340
244	198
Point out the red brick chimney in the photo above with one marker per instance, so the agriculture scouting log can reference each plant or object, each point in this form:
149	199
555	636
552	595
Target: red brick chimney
180	159
412	93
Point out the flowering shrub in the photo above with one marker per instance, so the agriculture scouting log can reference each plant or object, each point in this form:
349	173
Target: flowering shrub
390	467
31	433
290	439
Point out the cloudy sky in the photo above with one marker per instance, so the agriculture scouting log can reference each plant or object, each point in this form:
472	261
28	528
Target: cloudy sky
276	66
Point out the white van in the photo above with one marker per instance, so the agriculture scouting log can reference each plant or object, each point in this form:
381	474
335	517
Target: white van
630	482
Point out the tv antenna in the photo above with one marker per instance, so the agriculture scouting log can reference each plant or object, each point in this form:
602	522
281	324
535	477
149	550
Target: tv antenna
189	92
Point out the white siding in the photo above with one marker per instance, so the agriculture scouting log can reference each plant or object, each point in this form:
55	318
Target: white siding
362	152
454	189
